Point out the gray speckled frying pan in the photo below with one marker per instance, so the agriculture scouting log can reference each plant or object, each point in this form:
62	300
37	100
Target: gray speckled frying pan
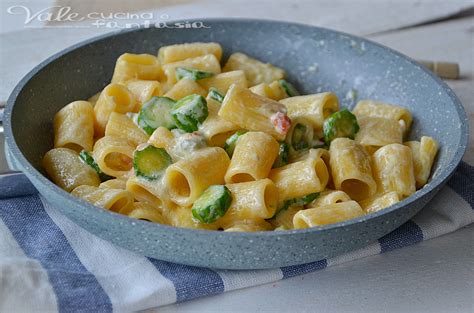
316	60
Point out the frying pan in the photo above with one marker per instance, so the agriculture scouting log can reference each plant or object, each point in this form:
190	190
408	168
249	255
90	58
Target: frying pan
315	59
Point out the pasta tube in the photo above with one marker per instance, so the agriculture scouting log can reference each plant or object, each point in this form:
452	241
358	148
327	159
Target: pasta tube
207	63
189	177
251	200
385	110
136	66
255	71
351	170
143	90
376	132
182	217
185	87
111	199
316	108
424	153
67	171
121	126
328	196
301	178
327	214
393	170
144	190
223	81
116	183
253	157
144	211
179	52
214	128
256	113
273	91
114	98
74	126
252	225
114	155
380	202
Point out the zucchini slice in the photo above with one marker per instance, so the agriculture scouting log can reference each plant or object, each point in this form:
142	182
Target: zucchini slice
156	113
296	202
299	139
283	155
189	112
230	143
289	89
191	73
340	124
89	160
215	95
212	204
151	162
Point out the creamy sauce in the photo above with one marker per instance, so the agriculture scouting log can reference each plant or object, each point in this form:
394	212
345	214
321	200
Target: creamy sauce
186	143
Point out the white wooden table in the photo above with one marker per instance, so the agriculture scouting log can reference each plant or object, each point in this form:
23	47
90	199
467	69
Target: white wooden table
433	276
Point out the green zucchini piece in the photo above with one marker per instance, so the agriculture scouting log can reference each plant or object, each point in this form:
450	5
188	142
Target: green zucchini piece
289	89
156	113
189	112
306	199
340	124
89	160
212	204
230	143
151	162
298	140
215	95
283	155
191	73
296	202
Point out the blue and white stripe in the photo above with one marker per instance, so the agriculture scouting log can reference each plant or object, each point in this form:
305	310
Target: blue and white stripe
49	263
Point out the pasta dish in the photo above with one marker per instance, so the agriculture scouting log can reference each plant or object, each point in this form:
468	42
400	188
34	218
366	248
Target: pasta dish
177	139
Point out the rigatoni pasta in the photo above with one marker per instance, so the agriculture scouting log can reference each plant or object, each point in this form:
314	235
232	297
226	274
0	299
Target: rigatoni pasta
376	132
143	90
115	200
174	53
424	153
252	158
122	126
186	179
351	170
385	110
114	98
176	140
301	178
74	126
255	71
114	155
393	170
136	66
207	63
67	171
254	112
327	214
215	129
316	107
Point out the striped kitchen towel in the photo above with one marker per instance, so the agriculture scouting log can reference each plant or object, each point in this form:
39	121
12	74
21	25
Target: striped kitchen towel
48	263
